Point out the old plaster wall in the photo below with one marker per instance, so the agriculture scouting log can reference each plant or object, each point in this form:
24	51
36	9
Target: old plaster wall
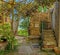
59	26
57	22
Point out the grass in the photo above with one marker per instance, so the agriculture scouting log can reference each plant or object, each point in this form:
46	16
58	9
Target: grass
23	32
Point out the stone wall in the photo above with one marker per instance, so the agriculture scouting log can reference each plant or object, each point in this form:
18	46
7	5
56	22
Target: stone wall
35	22
59	26
57	22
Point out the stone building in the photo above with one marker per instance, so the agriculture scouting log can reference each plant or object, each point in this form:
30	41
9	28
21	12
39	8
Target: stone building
35	22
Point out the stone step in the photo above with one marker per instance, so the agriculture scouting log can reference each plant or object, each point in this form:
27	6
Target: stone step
49	30
49	39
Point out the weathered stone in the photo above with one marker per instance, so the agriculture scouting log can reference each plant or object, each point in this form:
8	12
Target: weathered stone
57	22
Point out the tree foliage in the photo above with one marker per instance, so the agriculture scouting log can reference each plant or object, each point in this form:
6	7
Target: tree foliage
45	2
21	8
25	23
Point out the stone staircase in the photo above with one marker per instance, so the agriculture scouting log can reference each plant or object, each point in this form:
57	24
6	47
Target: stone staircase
49	41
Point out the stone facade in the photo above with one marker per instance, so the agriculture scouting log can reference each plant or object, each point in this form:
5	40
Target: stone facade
57	22
35	22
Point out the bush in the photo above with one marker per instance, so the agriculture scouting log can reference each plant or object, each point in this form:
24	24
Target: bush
9	37
23	32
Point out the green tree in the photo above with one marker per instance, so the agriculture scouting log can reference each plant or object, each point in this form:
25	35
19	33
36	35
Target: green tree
47	3
22	9
25	23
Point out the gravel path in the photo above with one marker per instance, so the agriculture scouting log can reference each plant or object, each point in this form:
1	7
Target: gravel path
27	48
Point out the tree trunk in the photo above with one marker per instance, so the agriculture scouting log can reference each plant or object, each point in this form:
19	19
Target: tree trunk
12	20
12	25
16	27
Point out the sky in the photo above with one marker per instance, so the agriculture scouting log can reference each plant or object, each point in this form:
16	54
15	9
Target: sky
20	0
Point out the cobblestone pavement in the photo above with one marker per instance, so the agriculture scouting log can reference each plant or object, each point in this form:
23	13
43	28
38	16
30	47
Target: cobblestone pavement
28	48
